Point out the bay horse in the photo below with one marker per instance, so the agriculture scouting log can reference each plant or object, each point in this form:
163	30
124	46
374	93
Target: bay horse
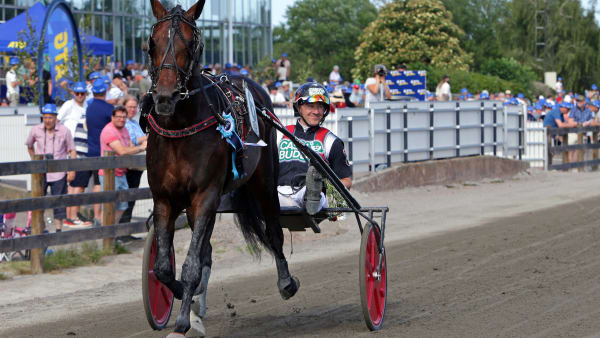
191	168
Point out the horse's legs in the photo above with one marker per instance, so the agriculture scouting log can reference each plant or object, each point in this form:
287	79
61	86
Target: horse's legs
269	202
192	268
164	227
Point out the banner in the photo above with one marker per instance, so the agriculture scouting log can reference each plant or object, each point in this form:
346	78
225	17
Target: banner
60	35
408	83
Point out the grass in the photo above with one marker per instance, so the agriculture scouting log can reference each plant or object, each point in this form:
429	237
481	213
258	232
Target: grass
88	254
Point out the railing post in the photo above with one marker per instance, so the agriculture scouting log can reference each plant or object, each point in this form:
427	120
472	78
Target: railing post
37	219
457	122
580	151
482	120
372	139
495	121
350	144
108	209
388	137
595	151
405	131
565	154
547	148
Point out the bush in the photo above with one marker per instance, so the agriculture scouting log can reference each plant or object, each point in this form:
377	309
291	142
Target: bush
509	69
474	82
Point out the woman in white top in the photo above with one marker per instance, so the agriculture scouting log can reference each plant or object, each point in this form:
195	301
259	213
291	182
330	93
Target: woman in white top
442	92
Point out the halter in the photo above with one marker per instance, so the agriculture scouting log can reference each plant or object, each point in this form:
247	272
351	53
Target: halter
193	49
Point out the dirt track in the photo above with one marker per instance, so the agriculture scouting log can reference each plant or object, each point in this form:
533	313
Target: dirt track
535	274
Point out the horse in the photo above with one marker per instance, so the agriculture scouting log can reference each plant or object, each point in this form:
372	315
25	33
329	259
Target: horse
190	168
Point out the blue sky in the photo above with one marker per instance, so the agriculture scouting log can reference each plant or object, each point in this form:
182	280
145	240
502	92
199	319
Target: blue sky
278	11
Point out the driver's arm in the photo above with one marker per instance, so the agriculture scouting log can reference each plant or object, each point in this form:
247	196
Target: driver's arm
347	182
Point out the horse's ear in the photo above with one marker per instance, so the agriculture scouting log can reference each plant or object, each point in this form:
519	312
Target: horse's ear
195	11
157	9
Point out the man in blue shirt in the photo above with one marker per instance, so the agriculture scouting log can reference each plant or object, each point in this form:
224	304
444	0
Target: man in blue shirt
558	117
97	116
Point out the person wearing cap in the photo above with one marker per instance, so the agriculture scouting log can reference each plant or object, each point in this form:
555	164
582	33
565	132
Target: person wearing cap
129	71
286	90
115	137
356	97
558	86
117	91
334	77
593	93
582	116
442	91
54	141
558	117
276	96
12	82
375	84
71	114
283	67
594	106
97	115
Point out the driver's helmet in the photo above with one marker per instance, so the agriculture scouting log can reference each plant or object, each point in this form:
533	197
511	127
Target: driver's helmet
311	92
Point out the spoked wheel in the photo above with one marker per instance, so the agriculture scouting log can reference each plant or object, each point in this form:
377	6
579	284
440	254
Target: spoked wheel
373	283
158	299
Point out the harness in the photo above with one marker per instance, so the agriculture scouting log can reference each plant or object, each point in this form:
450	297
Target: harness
229	110
193	48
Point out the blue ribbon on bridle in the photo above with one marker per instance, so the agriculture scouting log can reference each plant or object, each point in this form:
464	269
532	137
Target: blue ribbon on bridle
228	132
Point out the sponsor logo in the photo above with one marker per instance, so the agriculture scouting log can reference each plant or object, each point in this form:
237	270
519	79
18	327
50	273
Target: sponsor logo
316	91
394	91
422	73
289	152
409	73
401	82
416	82
408	91
17	44
422	91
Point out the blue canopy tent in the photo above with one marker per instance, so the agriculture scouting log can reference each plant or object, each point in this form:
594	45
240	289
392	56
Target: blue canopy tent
10	36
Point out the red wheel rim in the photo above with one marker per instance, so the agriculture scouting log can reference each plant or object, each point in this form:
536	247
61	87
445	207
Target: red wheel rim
375	287
160	297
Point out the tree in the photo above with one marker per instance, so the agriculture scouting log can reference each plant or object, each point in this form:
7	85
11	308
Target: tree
411	31
322	33
479	19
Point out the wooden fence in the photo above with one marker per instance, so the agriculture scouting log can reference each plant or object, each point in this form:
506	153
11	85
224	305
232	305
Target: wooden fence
579	162
37	203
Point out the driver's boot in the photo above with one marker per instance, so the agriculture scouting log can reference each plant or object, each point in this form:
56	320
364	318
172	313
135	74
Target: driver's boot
314	185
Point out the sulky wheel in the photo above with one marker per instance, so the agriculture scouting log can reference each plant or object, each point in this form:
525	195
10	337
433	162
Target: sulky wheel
158	299
373	284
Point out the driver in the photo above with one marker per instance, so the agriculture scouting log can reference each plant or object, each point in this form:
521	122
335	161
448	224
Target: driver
300	185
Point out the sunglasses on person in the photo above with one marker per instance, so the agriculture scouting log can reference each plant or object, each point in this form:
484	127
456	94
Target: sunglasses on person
78	94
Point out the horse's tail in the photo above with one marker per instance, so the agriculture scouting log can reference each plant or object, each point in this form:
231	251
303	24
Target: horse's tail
250	220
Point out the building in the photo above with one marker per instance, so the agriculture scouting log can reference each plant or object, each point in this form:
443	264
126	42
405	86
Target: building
233	30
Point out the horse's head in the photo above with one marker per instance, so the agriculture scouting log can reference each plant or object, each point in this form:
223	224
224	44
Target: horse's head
174	47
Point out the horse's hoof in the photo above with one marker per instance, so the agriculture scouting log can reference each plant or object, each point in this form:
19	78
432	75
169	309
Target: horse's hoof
197	329
288	287
175	335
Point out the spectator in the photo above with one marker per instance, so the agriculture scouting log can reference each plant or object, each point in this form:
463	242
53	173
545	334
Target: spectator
54	141
138	138
82	178
375	84
334	77
97	116
581	116
129	71
401	68
115	137
594	106
12	83
117	91
47	84
276	97
217	69
70	114
558	86
356	97
442	91
283	68
72	110
558	117
286	91
4	102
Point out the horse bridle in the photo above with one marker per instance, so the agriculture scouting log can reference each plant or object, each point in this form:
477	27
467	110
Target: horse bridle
193	48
